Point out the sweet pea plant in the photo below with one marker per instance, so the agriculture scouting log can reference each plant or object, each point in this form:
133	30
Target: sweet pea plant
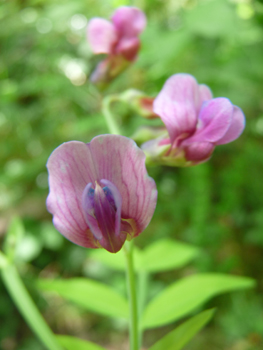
101	198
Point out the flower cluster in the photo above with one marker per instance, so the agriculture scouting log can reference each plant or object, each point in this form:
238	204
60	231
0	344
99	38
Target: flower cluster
100	193
118	40
195	123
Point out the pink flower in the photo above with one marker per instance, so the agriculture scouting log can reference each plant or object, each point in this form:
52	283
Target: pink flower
100	192
196	122
119	40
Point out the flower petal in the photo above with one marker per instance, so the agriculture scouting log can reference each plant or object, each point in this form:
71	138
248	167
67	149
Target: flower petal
70	168
177	104
119	160
198	151
101	35
214	120
205	93
128	48
236	128
129	21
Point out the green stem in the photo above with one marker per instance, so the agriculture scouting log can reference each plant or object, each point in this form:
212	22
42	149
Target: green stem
143	281
111	122
131	284
26	306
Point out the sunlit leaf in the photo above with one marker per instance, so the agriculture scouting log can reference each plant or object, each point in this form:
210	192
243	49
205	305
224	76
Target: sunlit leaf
72	343
183	297
167	254
92	295
162	255
179	337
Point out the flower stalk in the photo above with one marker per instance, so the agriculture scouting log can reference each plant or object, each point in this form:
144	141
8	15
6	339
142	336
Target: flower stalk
106	110
132	296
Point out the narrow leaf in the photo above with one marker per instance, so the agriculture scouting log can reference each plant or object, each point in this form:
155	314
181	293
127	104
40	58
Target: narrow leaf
70	343
179	337
183	297
28	309
167	254
92	295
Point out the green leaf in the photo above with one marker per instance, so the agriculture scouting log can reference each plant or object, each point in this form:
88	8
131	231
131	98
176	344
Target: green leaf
162	255
179	337
166	254
70	343
206	19
27	307
185	296
89	294
116	261
15	233
3	260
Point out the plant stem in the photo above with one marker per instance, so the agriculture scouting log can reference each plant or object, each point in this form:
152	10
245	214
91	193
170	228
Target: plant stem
111	122
26	306
131	284
143	281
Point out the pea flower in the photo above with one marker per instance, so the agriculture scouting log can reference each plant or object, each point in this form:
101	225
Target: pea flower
100	192
195	123
118	40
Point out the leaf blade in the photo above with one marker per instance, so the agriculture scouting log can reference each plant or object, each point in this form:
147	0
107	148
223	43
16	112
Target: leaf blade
179	337
69	343
92	295
167	254
183	297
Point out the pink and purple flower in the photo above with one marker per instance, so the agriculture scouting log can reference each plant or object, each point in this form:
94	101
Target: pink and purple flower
195	122
117	39
100	192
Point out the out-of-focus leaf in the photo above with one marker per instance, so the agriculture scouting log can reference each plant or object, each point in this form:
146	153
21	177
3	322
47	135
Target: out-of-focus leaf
15	233
115	261
183	297
162	255
27	307
166	254
28	248
73	343
178	338
89	294
212	19
3	260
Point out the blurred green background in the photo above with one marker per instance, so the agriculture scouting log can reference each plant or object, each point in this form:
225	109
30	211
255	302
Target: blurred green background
46	99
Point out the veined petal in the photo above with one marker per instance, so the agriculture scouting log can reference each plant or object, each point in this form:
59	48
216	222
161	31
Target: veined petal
236	128
129	21
178	104
120	161
101	35
70	168
179	118
215	119
100	216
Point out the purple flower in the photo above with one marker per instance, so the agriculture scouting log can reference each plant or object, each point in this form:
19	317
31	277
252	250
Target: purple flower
119	40
100	192
195	121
